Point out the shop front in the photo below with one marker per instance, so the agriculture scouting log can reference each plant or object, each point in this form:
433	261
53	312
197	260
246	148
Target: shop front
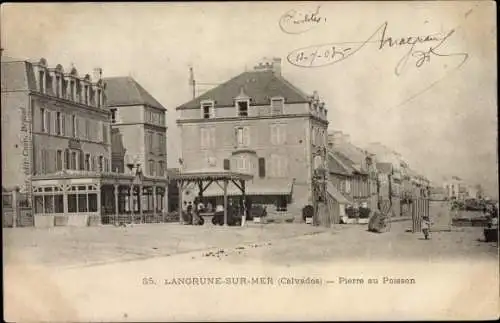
95	198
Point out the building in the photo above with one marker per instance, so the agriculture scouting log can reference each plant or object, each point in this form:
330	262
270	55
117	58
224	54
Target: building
57	148
139	141
455	188
55	129
257	123
362	182
384	154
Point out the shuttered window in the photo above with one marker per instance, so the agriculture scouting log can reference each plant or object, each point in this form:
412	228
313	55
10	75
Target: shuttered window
262	167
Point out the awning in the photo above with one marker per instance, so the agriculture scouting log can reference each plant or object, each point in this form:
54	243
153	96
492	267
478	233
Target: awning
332	190
270	187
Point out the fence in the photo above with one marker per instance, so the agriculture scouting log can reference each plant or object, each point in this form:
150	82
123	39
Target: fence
16	210
137	218
419	209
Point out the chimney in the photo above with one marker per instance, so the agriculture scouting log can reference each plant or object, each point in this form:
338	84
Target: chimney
277	66
97	74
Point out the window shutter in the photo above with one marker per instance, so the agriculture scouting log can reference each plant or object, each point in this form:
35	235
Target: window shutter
227	165
262	167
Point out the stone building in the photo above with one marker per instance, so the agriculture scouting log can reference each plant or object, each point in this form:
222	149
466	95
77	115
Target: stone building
257	123
57	147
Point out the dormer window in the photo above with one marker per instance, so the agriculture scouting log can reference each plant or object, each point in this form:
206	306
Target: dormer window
72	89
58	86
277	105
242	103
242	108
41	82
207	109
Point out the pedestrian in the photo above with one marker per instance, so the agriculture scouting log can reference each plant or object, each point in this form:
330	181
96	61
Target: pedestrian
426	227
189	208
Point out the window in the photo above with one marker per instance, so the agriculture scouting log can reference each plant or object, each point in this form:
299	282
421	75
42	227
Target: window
78	92
227	165
113	115
87	162
207	110
81	162
105	132
59	160
44	161
101	163
278	134
262	167
149	141
58	123
43	118
72	90
158	143
279	166
242	108
98	98
41	82
73	160
86	94
277	106
87	129
75	126
151	167
243	164
161	168
242	137
207	137
58	86
67	164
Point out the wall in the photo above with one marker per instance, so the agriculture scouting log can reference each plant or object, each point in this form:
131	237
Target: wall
253	111
133	141
132	114
15	165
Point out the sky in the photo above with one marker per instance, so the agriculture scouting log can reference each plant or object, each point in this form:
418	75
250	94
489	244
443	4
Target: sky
441	116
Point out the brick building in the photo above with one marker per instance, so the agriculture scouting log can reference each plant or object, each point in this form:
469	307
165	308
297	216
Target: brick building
257	123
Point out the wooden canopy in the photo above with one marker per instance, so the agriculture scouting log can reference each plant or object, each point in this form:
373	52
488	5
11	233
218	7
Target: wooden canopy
204	178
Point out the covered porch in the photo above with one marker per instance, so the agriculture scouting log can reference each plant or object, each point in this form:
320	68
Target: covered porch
93	198
205	178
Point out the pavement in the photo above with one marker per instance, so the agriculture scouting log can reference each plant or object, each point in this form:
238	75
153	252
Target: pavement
269	272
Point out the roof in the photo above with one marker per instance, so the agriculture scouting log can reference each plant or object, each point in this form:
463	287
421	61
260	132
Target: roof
211	174
384	168
338	165
336	194
17	75
275	187
124	90
260	86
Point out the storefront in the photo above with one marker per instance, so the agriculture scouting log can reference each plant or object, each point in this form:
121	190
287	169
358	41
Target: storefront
93	198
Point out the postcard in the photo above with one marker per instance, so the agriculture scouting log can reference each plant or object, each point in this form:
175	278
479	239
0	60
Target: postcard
249	161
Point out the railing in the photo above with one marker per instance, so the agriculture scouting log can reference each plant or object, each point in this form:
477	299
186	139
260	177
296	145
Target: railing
136	218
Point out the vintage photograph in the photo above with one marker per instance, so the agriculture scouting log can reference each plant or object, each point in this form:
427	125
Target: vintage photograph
249	161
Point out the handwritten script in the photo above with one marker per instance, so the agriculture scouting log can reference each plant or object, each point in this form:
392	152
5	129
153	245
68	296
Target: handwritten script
421	49
297	22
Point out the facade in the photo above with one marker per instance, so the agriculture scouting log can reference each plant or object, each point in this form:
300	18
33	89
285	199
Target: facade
139	142
57	147
257	123
455	188
361	184
53	122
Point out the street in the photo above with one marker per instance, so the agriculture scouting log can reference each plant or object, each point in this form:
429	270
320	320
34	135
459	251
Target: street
274	271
